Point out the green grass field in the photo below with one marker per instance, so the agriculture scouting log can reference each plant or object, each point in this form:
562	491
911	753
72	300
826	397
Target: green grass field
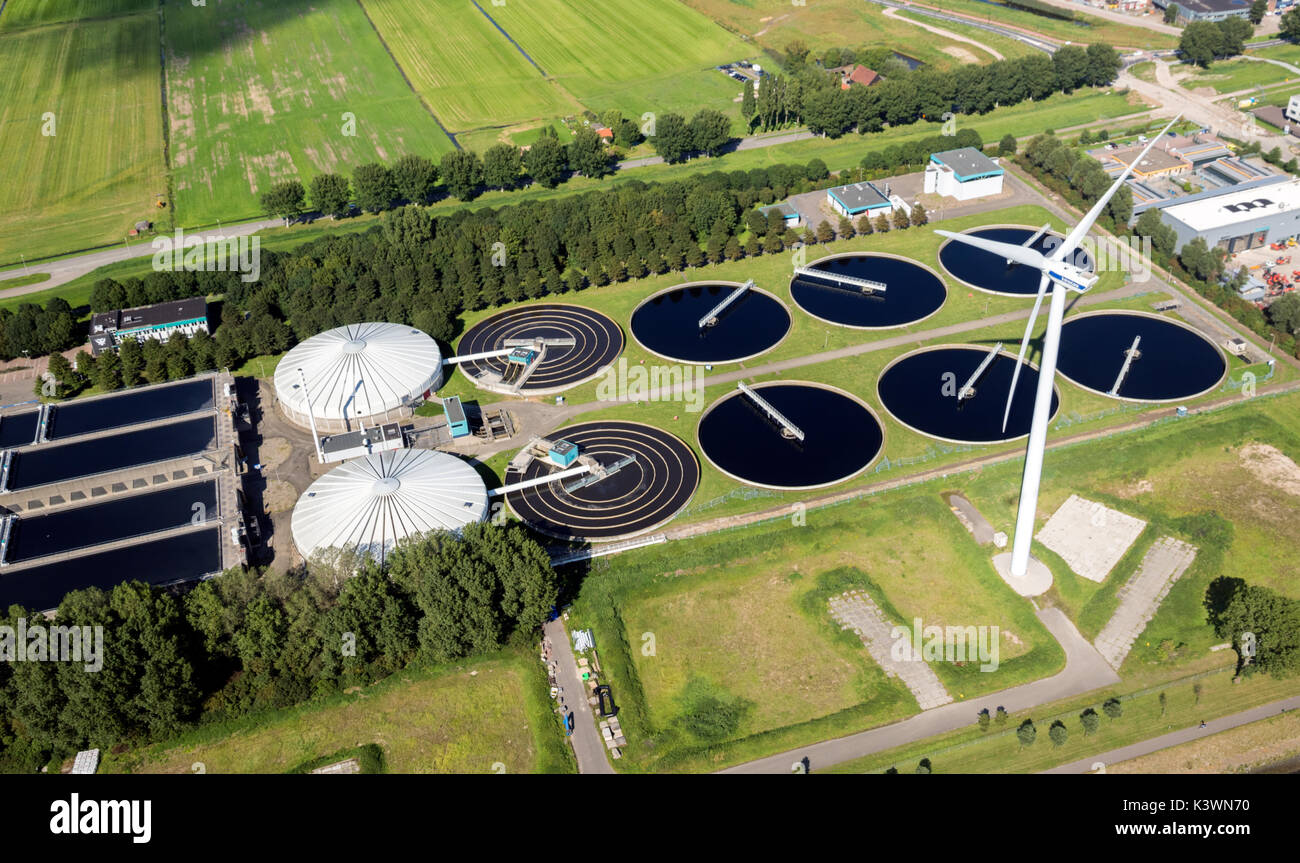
258	93
919	562
634	55
96	175
1231	76
440	721
468	73
33	13
1086	29
849	23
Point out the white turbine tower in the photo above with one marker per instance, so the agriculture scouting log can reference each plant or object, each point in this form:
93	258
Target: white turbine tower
1057	269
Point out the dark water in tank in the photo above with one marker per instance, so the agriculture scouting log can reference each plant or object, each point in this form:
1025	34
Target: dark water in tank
920	391
669	324
1174	362
84	526
842	437
18	429
47	464
183	557
912	292
988	271
141	406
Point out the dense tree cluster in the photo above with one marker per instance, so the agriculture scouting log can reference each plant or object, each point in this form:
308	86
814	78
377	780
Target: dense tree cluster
1203	42
247	641
424	268
1077	173
33	331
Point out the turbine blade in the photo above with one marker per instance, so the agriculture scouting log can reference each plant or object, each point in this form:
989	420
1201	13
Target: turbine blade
1081	230
1024	347
1010	251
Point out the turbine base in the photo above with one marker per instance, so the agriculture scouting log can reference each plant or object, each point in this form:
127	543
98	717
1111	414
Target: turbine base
1037	579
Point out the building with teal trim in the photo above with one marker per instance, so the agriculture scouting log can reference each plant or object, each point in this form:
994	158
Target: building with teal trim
159	321
964	174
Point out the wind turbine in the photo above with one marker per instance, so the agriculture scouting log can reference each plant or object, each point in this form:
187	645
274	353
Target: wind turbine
1063	275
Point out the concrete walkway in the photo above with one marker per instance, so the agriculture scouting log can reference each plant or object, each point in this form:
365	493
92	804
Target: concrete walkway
66	269
1164	741
587	743
1085	670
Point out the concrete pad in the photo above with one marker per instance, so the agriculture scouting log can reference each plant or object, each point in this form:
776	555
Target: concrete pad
856	610
1090	537
1036	581
1140	597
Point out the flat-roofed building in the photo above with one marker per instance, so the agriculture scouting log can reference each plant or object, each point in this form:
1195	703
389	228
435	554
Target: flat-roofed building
159	321
964	174
857	199
1238	218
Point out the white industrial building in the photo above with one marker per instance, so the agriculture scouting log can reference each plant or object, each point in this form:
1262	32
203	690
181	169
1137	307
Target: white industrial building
1238	219
359	375
372	503
964	174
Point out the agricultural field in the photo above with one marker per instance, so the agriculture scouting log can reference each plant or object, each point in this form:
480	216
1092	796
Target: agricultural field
90	181
464	68
33	13
258	93
1084	29
633	55
461	720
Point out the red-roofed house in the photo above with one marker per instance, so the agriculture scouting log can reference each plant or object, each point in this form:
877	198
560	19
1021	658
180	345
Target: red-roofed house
860	75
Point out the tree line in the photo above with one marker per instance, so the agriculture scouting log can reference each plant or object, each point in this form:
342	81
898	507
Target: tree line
249	641
812	95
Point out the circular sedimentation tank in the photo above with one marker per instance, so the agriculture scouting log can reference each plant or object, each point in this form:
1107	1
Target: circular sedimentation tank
841	436
636	499
912	292
1173	361
597	342
668	323
985	271
920	389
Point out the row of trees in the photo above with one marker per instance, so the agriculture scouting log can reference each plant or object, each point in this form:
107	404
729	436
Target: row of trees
462	174
813	96
247	641
708	132
1078	172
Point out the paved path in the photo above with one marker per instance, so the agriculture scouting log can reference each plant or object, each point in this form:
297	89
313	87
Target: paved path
1085	670
587	743
66	269
1208	111
947	34
1164	741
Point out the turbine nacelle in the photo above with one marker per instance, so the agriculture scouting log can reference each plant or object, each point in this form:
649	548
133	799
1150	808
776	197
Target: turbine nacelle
1070	276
